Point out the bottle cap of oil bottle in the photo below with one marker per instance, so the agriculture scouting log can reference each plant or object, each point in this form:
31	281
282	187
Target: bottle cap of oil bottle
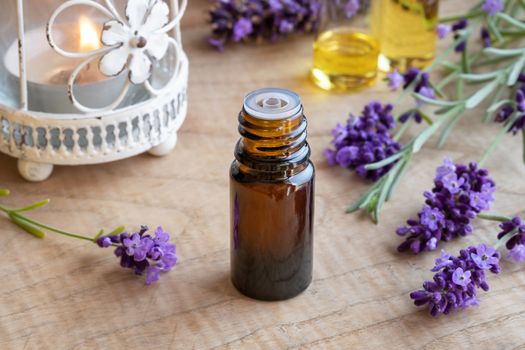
272	104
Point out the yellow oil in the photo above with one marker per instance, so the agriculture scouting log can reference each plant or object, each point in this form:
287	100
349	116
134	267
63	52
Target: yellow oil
406	31
344	60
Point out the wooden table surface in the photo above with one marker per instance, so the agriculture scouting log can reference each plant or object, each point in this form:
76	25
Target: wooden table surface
60	293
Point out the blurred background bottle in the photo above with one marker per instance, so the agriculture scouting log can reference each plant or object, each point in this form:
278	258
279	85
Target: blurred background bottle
345	53
406	32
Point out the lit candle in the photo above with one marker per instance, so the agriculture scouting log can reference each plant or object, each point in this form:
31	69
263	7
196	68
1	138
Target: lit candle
48	72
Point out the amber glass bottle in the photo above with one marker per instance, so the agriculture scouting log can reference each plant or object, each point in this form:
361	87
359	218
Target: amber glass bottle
272	198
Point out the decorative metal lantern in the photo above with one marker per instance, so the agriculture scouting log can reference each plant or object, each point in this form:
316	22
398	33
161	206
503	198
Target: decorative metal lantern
90	81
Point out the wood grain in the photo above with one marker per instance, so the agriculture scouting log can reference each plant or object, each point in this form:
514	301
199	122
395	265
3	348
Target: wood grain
66	294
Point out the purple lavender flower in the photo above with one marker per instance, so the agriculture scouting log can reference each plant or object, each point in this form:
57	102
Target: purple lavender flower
142	252
275	5
504	114
104	242
456	27
422	86
395	80
452	183
517	253
456	280
491	7
514	232
260	19
241	29
432	217
445	169
285	26
443	261
485	37
460	192
484	257
442	30
460	277
427	92
351	8
364	140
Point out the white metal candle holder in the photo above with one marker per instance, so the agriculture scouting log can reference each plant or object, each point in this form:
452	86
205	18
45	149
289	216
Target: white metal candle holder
124	96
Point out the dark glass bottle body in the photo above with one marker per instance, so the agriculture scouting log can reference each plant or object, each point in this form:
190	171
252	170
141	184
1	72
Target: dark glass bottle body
272	207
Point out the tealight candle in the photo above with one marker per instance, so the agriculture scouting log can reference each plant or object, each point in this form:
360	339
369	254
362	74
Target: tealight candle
49	72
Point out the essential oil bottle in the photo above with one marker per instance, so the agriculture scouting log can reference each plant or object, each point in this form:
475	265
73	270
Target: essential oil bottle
345	52
406	32
272	198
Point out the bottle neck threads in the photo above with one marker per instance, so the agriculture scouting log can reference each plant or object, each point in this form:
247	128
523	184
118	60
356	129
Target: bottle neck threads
272	145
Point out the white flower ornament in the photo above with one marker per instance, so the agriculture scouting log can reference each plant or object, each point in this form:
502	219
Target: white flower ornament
130	44
137	41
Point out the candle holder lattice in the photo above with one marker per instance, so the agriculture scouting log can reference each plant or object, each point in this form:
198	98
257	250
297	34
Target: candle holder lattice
73	93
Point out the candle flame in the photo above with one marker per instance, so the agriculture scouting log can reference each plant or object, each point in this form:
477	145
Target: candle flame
89	37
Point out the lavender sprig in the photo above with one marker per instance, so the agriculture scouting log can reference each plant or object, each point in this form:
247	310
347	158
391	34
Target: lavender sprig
508	68
363	140
139	251
143	252
240	20
457	279
460	192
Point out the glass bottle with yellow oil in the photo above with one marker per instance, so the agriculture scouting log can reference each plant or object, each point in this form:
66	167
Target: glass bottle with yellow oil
345	53
406	32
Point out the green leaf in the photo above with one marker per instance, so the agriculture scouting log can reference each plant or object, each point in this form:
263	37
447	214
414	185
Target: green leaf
117	231
383	193
470	14
32	206
444	135
398	176
363	200
434	102
498	138
385	161
449	65
24	225
493	217
516	23
474	100
516	70
425	117
495	98
493	29
465	62
100	233
503	52
479	77
4	192
439	92
443	110
420	140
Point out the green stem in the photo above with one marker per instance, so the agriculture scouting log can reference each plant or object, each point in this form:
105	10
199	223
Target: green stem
473	14
496	141
493	217
16	215
52	229
32	206
401	131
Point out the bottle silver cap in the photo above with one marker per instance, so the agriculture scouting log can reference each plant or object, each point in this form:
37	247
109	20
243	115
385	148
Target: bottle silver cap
272	104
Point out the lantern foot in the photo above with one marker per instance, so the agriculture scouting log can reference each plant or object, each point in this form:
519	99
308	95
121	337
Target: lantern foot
165	147
33	171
